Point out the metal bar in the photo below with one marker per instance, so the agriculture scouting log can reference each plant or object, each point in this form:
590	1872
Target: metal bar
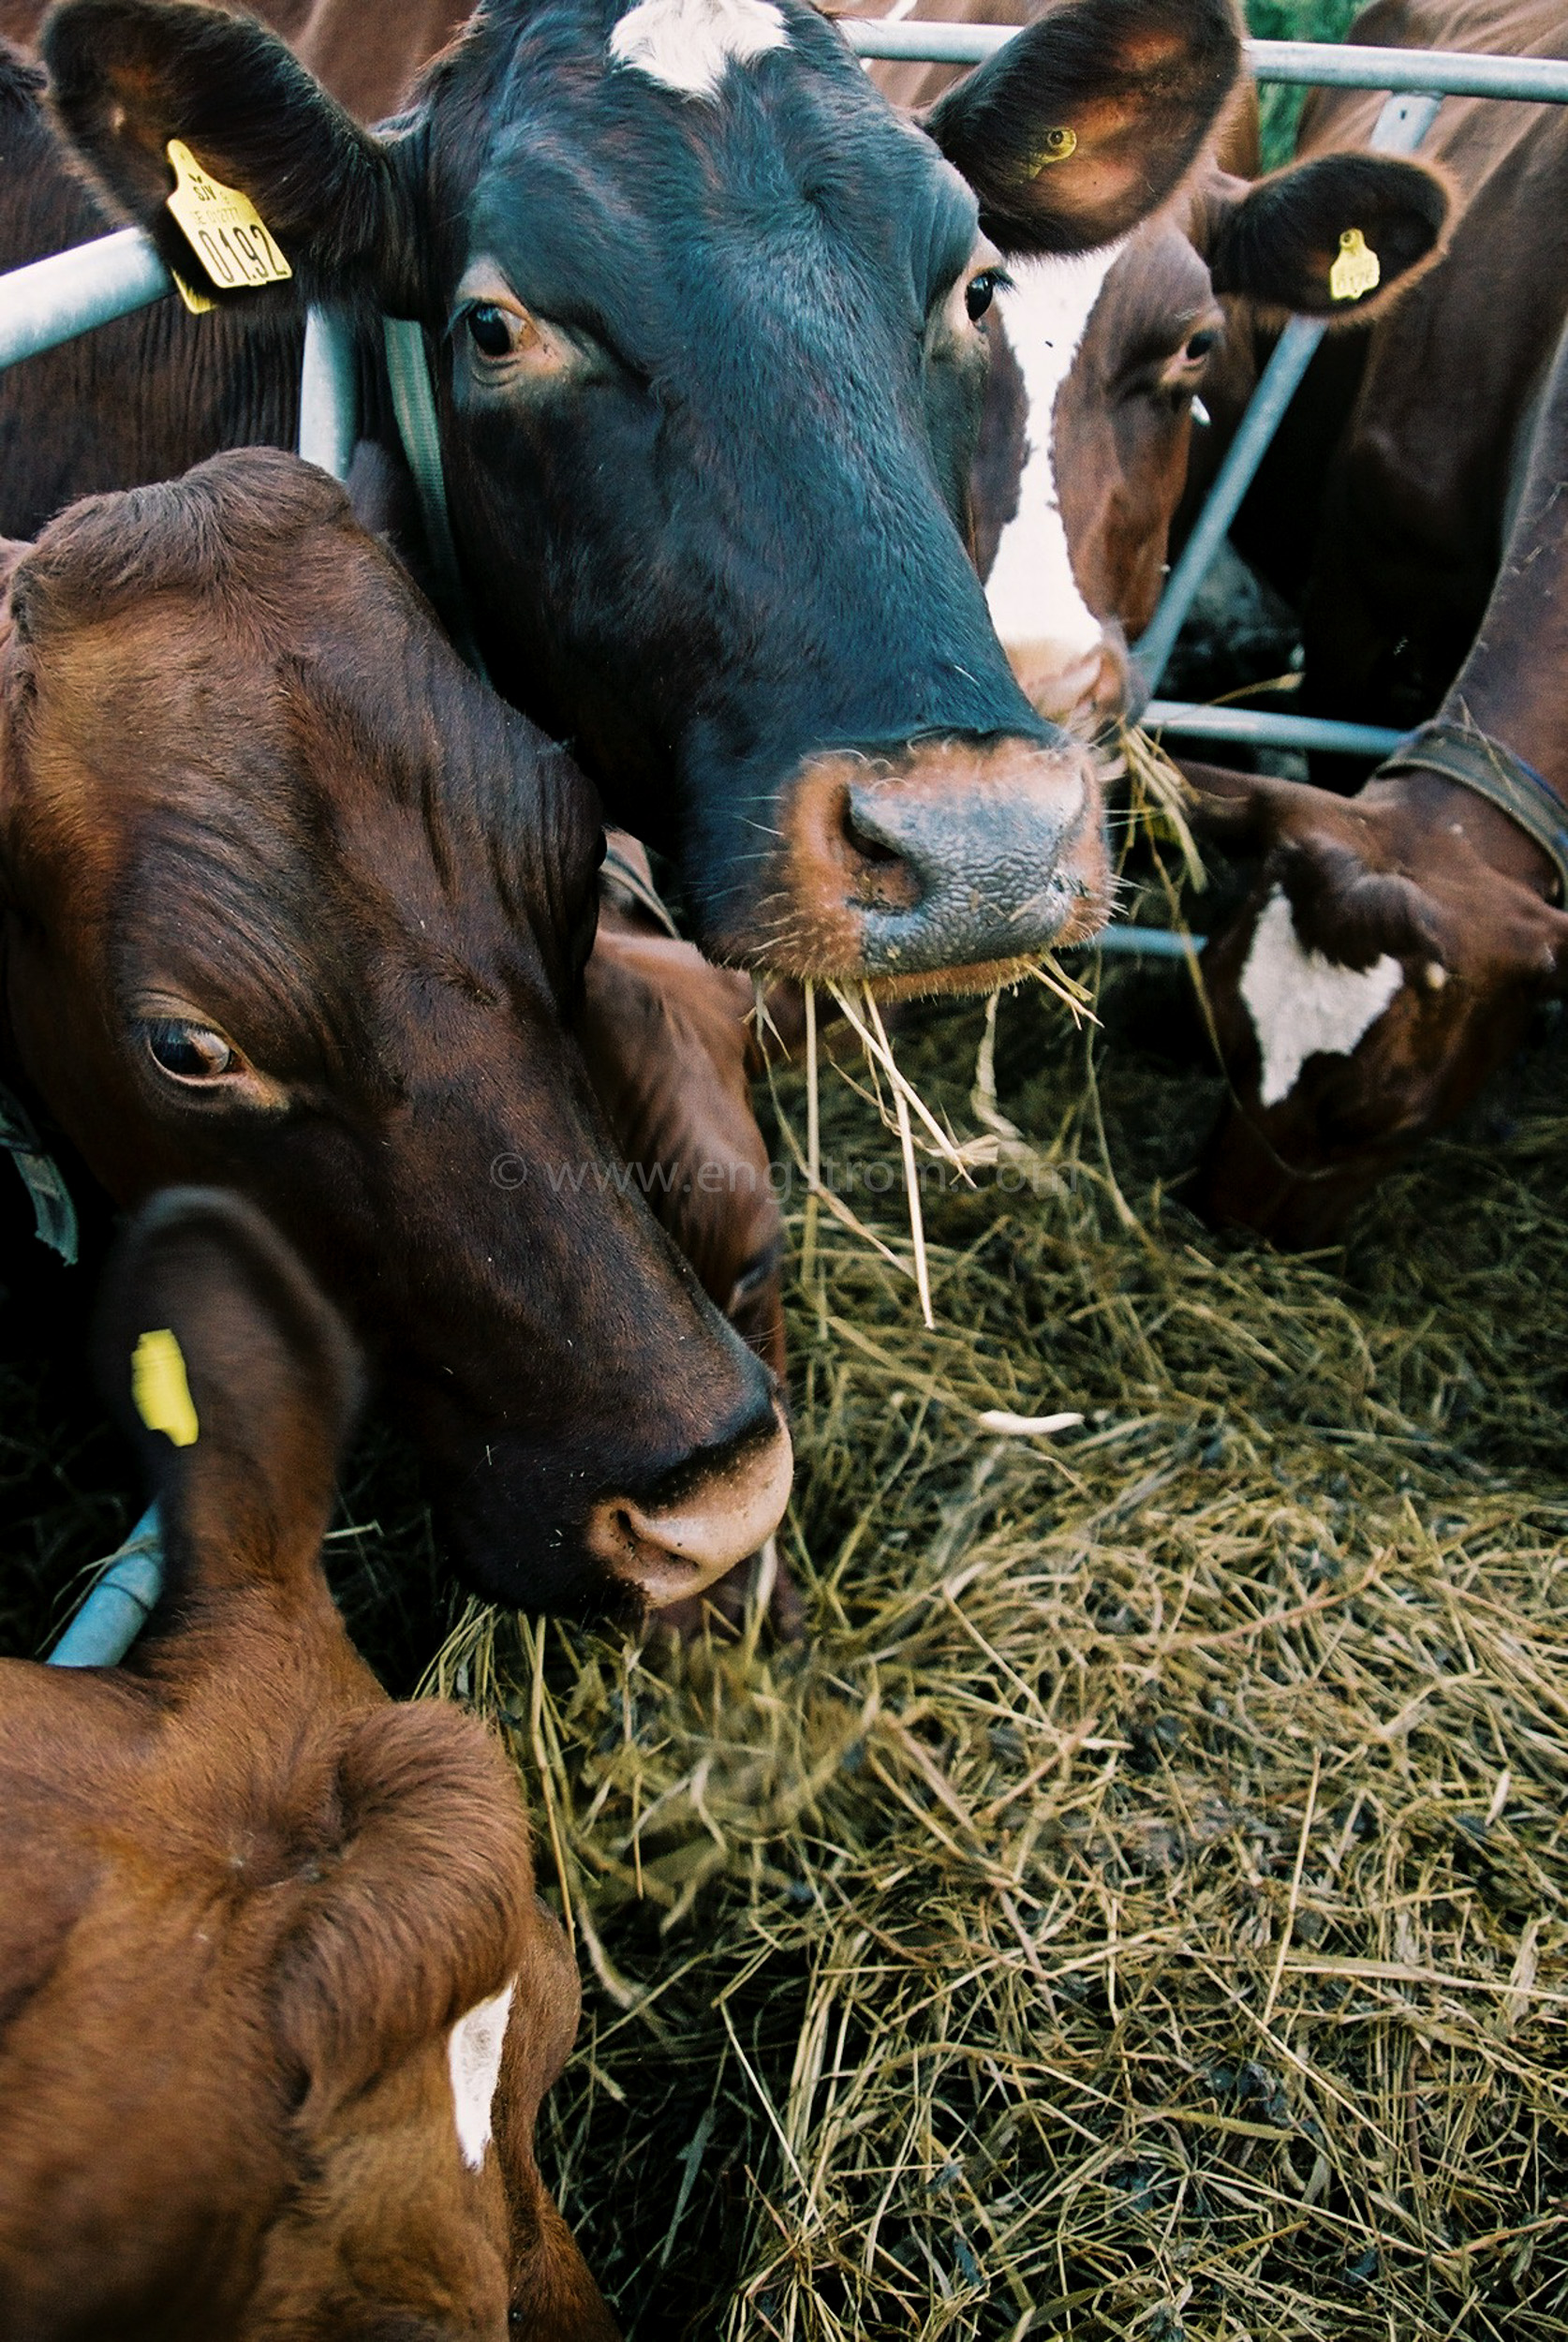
119	1606
1536	79
1131	942
1401	126
53	301
328	392
1260	729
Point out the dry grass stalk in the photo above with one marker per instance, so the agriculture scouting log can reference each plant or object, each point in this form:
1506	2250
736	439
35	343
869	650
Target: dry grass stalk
1141	1907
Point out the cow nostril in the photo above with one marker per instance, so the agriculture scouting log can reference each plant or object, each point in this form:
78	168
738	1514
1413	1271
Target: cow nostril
880	877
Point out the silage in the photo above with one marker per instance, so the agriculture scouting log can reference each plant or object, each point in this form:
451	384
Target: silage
1138	1906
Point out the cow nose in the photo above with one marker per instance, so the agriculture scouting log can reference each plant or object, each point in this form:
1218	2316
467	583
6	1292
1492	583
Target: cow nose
667	1551
966	855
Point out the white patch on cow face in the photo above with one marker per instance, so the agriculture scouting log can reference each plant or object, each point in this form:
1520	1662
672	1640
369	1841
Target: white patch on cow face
688	45
474	2056
1033	595
1302	1004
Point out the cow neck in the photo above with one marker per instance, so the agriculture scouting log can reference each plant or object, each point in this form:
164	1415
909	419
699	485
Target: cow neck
1462	753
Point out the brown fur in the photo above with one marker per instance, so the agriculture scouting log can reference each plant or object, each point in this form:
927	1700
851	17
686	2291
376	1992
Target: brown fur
1420	867
246	783
247	1899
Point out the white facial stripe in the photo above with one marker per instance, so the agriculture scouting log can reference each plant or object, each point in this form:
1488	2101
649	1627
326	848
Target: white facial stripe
689	44
1301	1003
474	2056
1031	590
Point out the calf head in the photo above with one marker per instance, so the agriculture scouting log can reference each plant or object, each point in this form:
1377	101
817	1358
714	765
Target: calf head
307	1998
709	323
294	904
1391	951
1087	432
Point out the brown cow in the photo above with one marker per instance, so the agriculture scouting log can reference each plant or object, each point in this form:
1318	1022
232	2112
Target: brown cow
1097	363
279	2001
1385	504
295	904
1397	941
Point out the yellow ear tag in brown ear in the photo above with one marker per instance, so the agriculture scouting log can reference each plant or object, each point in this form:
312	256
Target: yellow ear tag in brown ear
1055	147
1357	271
223	228
160	1387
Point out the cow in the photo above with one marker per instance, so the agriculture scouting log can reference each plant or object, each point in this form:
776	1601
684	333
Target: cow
1383	509
295	903
280	2003
1099	361
706	320
1395	943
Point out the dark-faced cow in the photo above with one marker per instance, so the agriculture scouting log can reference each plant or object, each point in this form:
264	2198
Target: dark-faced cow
704	314
280	2004
1398	941
1098	359
295	903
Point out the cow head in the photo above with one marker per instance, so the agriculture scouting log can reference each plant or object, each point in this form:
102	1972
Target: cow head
709	327
288	1928
295	904
1391	951
1090	417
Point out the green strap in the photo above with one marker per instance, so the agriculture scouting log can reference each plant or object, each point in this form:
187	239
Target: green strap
53	1213
413	398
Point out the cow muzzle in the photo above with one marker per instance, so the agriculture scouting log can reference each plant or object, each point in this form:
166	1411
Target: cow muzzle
666	1548
951	867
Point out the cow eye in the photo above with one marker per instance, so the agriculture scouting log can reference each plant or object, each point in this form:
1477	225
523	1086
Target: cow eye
982	290
492	329
1199	346
187	1052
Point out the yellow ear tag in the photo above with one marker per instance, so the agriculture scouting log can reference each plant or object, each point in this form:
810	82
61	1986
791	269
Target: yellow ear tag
160	1387
197	303
1054	148
223	227
1357	271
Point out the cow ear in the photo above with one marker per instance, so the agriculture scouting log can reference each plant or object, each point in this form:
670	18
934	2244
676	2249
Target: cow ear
129	75
237	1382
1088	120
1338	238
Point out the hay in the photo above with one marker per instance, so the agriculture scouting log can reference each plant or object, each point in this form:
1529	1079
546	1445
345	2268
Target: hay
1140	1905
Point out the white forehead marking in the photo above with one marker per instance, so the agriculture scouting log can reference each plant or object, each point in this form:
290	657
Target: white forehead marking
689	44
474	2055
1301	1003
1031	590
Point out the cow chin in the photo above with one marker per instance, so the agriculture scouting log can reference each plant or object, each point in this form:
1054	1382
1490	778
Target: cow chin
951	868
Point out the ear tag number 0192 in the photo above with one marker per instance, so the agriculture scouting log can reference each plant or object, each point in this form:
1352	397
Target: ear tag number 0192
1357	269
223	228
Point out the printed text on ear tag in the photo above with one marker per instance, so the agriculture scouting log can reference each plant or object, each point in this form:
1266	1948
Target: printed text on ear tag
160	1387
1357	269
223	228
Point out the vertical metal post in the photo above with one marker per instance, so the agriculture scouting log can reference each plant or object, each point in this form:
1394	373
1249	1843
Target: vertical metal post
1402	124
328	392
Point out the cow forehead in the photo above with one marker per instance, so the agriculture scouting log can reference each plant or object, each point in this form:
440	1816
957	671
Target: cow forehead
614	179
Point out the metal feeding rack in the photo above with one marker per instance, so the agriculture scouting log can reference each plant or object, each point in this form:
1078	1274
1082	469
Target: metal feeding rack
53	301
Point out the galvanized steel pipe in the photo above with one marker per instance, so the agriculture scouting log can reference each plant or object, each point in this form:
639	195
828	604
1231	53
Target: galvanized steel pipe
119	1606
53	301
